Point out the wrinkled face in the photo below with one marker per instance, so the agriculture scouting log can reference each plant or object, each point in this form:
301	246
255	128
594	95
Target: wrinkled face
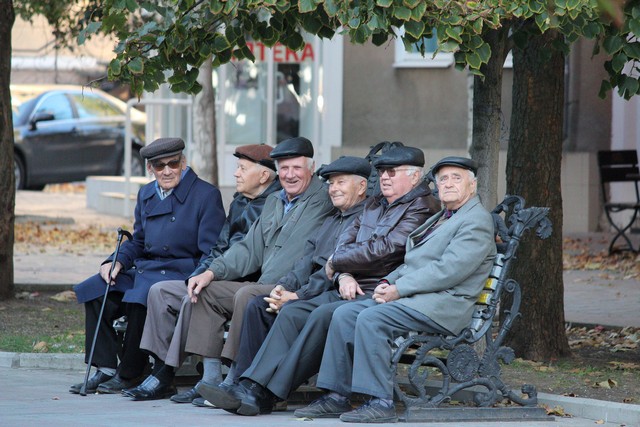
295	175
346	190
167	170
247	176
397	181
455	186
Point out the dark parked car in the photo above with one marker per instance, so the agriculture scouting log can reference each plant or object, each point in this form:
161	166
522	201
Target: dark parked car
66	133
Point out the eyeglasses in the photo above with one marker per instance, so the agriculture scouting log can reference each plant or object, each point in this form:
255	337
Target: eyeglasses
173	164
390	171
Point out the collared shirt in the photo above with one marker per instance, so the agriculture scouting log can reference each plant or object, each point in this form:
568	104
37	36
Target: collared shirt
288	204
164	194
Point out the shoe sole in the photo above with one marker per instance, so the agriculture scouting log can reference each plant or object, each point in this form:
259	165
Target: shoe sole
219	398
325	415
370	421
164	395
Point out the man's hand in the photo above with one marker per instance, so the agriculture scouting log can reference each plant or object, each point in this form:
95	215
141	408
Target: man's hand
385	292
198	283
278	296
349	287
328	268
106	268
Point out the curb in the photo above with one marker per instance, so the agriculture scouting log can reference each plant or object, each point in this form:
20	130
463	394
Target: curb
611	412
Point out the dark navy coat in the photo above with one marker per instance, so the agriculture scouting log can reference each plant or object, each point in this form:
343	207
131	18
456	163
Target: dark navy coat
170	238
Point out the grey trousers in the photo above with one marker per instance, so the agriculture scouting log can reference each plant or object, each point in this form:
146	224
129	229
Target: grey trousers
361	335
292	351
166	327
217	303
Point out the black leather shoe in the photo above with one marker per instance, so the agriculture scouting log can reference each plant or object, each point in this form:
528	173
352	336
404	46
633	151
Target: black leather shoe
116	384
185	397
150	389
92	384
221	396
247	398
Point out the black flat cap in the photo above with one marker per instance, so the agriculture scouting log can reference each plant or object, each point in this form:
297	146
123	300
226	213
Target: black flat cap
256	153
293	147
400	155
162	147
347	165
461	162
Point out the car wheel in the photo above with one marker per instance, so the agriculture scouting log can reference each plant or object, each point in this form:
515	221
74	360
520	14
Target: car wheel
137	164
20	172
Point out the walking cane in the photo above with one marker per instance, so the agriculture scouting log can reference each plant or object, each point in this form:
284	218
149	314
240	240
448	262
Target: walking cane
121	233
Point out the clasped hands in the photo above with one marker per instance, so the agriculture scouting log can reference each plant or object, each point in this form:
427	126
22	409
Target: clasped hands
278	296
105	269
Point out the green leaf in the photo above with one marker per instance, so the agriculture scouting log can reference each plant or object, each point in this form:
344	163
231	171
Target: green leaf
449	46
484	53
378	39
305	6
220	43
384	3
573	4
131	5
619	61
331	7
115	67
612	44
411	3
634	26
454	33
402	13
418	12
135	66
216	6
632	50
414	28
473	59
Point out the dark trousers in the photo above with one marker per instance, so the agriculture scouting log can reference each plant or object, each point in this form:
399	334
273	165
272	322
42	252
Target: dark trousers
108	345
255	326
292	351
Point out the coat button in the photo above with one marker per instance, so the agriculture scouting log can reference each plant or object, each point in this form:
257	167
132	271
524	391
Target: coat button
162	272
165	247
140	271
173	218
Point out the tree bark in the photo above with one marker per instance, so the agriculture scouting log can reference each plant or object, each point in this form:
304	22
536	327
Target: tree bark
205	159
7	178
533	171
487	117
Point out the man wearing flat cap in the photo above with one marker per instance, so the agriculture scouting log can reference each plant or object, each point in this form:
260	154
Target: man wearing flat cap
168	305
178	218
347	178
448	259
271	246
369	249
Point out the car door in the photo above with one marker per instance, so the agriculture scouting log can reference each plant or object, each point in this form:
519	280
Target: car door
52	142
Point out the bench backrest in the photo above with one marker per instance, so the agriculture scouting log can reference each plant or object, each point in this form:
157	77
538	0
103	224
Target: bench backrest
511	220
618	166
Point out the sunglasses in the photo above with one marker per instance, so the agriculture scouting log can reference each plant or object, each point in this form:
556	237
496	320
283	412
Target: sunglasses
390	171
159	166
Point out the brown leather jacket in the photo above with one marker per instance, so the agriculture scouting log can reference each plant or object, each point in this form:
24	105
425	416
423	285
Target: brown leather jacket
375	243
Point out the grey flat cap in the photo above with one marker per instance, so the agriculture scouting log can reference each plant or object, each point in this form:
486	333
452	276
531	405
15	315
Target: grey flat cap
347	165
460	162
400	155
162	147
293	147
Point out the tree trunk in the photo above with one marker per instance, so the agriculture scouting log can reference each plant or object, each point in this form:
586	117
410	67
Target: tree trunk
533	172
487	117
205	159
7	178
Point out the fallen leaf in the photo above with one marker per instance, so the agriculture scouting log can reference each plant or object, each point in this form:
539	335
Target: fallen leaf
64	296
41	347
600	422
609	383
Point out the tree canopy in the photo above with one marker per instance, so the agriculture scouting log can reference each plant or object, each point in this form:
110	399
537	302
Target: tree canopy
178	35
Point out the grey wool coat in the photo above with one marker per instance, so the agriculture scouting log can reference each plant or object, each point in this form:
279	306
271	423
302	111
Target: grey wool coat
443	274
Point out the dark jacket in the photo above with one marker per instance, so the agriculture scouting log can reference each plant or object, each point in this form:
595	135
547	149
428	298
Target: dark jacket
170	237
375	243
308	278
243	212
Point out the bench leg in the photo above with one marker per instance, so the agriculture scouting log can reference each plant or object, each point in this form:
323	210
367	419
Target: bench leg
621	232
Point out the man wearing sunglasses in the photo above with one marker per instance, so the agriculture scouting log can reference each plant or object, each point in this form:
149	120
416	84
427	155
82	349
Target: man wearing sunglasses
178	218
372	247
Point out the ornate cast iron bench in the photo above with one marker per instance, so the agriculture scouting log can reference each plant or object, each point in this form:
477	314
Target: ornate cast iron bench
463	368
